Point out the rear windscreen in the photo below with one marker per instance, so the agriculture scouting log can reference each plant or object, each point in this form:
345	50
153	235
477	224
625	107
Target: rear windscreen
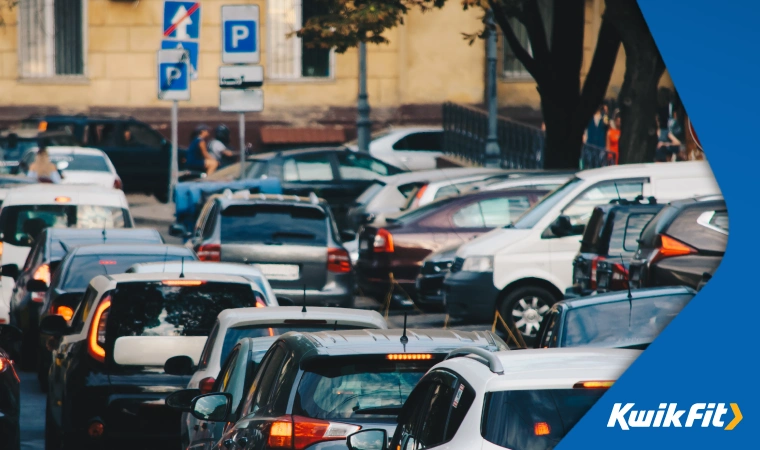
624	239
21	225
345	388
274	225
90	163
158	309
534	419
86	267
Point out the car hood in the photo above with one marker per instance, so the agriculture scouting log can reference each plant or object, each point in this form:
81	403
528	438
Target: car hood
492	242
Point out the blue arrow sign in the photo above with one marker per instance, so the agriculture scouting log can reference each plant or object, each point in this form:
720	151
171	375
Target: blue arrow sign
182	20
192	49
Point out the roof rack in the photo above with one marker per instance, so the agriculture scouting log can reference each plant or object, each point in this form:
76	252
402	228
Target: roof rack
494	364
636	201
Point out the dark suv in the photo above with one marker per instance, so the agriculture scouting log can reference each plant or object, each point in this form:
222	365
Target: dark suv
682	245
611	237
140	154
293	241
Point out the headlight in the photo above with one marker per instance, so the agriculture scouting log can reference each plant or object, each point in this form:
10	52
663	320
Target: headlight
478	264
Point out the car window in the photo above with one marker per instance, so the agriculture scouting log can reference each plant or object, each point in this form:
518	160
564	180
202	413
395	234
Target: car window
410	417
307	168
580	209
266	379
206	354
210	225
632	231
356	166
551	326
492	212
103	135
32	255
435	412
423	141
77	322
720	220
225	373
280	224
539	210
370	193
137	134
87	163
84	268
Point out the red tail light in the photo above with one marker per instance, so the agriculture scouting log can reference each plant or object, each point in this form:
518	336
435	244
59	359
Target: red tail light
592	278
96	340
619	278
383	242
43	274
338	260
296	432
206	385
670	247
260	303
210	252
117	183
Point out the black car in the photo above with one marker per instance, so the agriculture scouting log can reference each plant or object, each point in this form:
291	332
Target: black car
681	244
140	154
69	281
611	237
313	389
614	319
15	142
10	400
109	383
43	259
429	284
293	240
338	175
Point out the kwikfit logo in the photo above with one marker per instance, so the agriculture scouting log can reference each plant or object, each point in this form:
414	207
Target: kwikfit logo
668	415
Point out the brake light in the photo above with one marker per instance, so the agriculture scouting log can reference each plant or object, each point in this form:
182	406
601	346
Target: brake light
670	247
260	303
593	384
4	363
296	432
117	183
206	385
594	266
421	191
408	356
338	260
65	312
383	242
62	199
97	338
183	282
1	248
42	126
210	252
541	429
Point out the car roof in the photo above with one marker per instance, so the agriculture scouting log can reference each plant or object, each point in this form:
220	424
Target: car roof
302	151
71	150
619	296
694	168
46	193
278	315
246	198
426	176
131	249
197	267
32	133
121	234
153	277
697	202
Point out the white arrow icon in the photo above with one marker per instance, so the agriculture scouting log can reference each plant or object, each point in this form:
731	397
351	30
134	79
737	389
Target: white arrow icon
181	21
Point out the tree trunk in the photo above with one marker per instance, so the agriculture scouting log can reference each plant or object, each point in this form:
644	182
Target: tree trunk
638	95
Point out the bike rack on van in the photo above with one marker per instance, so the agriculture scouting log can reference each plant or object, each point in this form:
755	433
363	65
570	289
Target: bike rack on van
494	364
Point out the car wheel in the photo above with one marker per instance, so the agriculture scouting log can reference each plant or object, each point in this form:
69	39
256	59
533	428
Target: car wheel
524	308
52	436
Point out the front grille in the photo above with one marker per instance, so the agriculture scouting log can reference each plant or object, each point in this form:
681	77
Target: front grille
435	267
457	266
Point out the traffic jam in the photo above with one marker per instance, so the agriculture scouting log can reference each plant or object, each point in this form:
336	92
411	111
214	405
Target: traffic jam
250	336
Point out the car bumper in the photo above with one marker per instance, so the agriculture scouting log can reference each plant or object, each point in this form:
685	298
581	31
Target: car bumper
430	289
470	295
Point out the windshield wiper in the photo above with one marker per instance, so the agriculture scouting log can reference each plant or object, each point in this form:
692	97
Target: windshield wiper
382	410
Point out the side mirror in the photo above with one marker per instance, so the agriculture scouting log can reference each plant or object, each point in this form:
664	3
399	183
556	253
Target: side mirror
347	236
177	230
54	325
212	407
179	365
367	218
36	286
562	227
374	439
285	301
10	270
182	400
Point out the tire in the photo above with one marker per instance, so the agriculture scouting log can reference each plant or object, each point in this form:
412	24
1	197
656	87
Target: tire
523	310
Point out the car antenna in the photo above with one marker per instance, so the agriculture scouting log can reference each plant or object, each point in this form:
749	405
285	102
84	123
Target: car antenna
166	254
404	340
619	199
303	310
104	232
630	295
182	268
335	328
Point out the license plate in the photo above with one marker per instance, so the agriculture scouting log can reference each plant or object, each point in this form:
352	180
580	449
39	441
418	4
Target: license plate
283	272
363	245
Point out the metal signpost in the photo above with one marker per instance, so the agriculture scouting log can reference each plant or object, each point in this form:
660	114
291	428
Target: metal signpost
241	83
173	85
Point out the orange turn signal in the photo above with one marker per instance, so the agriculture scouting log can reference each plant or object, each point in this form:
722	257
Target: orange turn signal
65	312
593	384
62	199
541	429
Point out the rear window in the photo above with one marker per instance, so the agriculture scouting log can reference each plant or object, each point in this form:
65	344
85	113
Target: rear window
274	224
21	225
370	193
625	233
512	419
86	267
622	324
158	309
357	388
90	163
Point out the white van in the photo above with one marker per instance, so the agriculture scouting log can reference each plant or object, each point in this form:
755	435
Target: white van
522	269
28	210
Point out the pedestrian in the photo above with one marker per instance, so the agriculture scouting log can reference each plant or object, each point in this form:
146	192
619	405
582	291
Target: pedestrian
198	155
596	131
613	137
42	169
220	146
676	129
668	146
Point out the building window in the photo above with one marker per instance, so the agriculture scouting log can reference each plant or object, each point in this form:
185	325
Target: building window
512	68
51	38
288	58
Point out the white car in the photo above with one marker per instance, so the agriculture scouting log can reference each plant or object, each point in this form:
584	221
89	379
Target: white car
196	267
79	165
550	182
503	400
410	148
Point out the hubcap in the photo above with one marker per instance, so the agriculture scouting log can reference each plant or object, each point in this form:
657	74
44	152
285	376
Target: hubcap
527	315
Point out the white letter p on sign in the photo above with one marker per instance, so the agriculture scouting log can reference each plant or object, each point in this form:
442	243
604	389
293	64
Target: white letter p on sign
239	32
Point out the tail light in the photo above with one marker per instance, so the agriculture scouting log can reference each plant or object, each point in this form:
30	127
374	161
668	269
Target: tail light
619	278
1	248
42	274
65	311
260	302
338	260
4	364
96	341
210	252
206	385
594	266
117	183
383	242
296	432
670	247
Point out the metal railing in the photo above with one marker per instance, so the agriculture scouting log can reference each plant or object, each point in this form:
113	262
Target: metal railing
593	157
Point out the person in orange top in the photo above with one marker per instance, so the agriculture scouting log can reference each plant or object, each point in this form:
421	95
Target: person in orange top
613	137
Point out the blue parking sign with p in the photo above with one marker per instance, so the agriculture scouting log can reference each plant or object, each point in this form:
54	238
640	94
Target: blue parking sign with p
240	36
174	77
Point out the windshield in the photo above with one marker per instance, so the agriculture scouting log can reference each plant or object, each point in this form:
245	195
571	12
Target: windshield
86	267
534	419
22	224
537	212
90	163
345	388
621	324
373	137
274	225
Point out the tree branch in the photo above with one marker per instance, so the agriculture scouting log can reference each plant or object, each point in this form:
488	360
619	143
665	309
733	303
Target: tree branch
600	71
520	52
534	24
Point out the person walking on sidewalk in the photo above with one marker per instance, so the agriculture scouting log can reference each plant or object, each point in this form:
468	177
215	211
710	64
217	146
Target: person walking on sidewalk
596	131
613	138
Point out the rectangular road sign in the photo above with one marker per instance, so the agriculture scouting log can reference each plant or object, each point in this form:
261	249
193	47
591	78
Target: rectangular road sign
241	100
182	20
192	50
173	75
240	34
241	77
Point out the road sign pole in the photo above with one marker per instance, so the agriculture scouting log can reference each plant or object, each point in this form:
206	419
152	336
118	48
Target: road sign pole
241	124
174	166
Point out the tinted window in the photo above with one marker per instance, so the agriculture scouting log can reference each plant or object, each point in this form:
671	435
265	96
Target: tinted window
621	324
355	166
356	388
307	168
267	377
158	309
632	231
593	232
208	347
551	326
424	141
491	213
91	163
275	224
510	418
77	322
415	214
86	267
22	224
141	135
